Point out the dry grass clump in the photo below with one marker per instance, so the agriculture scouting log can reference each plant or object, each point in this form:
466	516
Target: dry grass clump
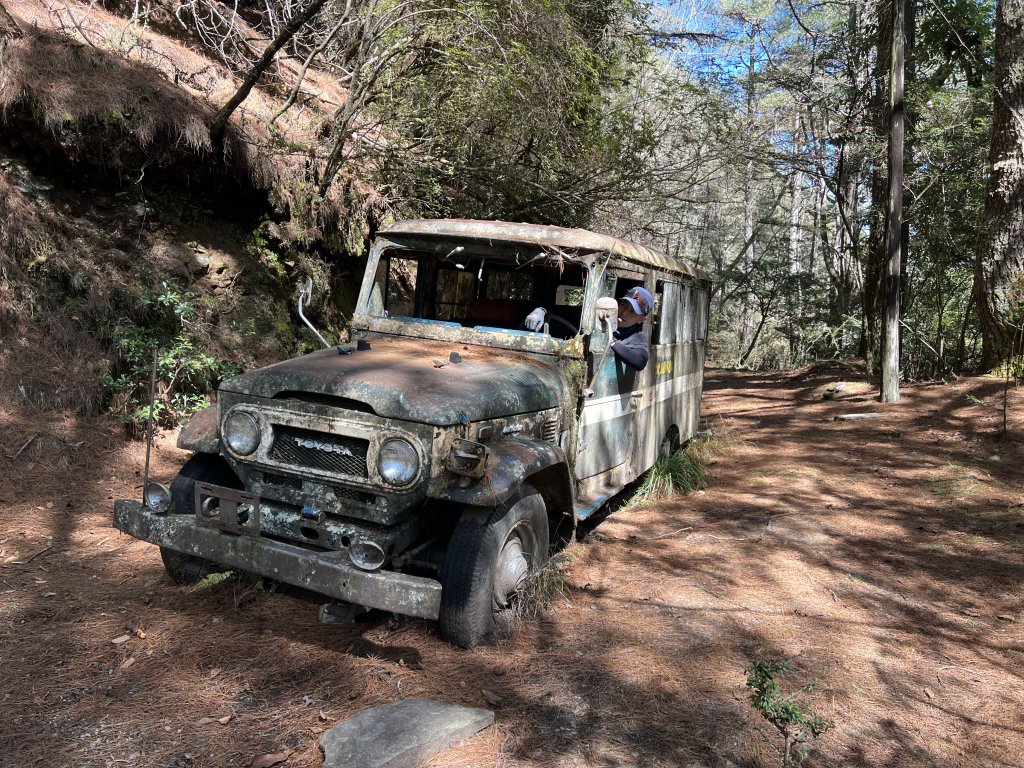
67	84
119	95
23	236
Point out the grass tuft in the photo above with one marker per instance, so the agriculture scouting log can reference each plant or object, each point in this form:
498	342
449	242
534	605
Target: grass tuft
680	473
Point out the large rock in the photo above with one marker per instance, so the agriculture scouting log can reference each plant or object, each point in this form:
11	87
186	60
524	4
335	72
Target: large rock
400	735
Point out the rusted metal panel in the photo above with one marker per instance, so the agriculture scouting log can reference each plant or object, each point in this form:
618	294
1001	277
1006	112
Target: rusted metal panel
511	463
323	572
200	434
535	234
485	339
399	379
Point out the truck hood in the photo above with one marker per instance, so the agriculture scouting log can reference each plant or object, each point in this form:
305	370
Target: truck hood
401	379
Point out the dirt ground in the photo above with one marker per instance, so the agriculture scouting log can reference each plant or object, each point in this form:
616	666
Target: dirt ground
884	558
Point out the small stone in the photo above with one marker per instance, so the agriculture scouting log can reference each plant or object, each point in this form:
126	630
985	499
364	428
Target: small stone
499	671
491	698
440	363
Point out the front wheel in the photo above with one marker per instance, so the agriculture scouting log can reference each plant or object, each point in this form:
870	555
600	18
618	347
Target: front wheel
186	569
489	558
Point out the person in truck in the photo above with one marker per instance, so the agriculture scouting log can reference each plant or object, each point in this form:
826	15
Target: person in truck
629	342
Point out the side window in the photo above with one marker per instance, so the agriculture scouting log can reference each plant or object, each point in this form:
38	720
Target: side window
684	318
700	314
666	311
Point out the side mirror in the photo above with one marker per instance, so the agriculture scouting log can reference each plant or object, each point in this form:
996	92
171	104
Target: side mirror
607	313
305	294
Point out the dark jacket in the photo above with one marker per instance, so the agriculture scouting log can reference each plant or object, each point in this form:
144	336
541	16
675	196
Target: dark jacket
631	346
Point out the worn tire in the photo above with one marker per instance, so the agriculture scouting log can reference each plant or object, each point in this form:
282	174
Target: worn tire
184	569
669	444
472	564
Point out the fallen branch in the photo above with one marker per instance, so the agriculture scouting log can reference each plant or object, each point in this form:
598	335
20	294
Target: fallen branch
33	557
673	533
24	446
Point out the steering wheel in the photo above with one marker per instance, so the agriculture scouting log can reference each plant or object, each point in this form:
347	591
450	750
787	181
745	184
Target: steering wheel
549	317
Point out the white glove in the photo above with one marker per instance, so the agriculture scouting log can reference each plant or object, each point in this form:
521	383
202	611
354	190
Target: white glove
535	320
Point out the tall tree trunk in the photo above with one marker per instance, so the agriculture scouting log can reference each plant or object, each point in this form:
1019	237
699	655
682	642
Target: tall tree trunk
877	252
749	211
796	213
999	262
894	227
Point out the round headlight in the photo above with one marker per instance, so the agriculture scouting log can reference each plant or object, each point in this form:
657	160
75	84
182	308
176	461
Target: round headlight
241	432
397	462
157	497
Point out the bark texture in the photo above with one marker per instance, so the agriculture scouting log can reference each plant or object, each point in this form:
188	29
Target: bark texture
999	263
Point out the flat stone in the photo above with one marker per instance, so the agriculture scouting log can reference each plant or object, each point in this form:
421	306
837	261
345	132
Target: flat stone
858	416
400	735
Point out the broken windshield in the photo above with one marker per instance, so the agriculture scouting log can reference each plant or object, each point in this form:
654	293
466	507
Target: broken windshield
483	292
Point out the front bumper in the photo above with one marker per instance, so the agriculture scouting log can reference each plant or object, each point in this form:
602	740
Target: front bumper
323	572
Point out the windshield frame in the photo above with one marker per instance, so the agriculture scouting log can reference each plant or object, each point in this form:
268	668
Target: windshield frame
365	321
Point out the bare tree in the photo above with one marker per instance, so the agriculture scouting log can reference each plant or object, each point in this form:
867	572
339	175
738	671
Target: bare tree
220	120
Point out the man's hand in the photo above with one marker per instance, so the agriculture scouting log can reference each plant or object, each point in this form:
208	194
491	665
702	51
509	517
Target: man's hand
535	320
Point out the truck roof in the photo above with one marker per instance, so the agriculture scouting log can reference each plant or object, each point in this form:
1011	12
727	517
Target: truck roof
541	235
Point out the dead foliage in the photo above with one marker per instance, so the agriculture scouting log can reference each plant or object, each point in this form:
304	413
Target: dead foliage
882	559
115	95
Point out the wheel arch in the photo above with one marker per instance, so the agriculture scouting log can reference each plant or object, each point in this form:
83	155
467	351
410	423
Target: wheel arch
519	461
201	434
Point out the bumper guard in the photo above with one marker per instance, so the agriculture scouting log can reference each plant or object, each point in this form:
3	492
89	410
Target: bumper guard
322	572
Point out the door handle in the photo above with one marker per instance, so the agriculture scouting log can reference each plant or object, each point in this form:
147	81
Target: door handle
635	397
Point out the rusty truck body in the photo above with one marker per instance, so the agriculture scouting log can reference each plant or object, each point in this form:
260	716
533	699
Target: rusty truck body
428	465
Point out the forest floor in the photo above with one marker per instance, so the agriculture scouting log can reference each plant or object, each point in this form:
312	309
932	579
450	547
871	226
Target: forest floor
883	558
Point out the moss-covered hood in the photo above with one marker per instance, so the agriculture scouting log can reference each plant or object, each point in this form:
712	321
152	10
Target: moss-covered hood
415	380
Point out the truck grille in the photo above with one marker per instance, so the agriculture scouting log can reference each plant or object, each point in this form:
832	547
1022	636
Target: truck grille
319	450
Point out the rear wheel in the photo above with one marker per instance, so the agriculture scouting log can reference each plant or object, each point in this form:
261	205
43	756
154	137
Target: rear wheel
489	557
187	569
669	444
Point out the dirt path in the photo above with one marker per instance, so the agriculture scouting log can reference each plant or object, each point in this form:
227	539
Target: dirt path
883	558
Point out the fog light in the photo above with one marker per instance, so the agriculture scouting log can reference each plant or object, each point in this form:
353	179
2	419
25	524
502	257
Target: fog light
157	497
366	555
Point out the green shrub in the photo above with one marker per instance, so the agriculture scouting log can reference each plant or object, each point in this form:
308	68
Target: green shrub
784	712
167	319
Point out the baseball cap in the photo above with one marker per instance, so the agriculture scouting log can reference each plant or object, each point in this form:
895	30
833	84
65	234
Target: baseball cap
640	300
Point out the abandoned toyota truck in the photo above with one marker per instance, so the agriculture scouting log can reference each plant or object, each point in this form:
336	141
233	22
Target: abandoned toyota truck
427	466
